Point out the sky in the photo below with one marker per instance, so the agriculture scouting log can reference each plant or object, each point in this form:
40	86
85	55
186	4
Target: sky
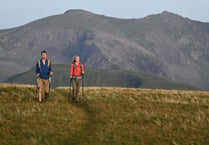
14	13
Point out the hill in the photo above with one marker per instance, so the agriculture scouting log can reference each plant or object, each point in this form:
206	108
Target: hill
99	77
163	45
104	116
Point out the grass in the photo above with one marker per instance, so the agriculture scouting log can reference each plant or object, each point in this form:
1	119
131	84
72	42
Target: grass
105	116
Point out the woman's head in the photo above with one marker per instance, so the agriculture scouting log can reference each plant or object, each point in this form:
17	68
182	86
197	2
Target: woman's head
76	59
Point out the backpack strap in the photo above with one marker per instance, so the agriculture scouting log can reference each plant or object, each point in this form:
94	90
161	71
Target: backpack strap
39	64
74	67
49	62
79	66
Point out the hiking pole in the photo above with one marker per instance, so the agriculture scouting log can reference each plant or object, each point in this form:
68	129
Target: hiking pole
36	94
70	89
50	82
83	86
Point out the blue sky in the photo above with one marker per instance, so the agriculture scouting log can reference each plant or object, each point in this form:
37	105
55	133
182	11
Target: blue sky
15	13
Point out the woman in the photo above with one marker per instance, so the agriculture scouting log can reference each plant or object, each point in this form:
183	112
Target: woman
76	72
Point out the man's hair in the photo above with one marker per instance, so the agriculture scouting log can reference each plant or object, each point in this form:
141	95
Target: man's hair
43	52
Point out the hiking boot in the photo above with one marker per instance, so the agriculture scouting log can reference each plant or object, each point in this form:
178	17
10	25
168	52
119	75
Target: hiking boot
46	96
73	100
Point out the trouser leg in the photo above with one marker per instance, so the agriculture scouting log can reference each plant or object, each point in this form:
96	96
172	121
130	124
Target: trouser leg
46	88
40	85
78	84
74	89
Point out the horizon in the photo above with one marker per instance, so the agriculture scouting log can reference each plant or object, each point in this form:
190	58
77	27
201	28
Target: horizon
15	14
104	15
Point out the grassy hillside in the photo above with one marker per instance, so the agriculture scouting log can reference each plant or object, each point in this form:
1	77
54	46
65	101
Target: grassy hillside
98	77
105	116
9	69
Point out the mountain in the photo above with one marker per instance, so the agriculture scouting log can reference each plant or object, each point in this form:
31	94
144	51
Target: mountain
163	45
102	78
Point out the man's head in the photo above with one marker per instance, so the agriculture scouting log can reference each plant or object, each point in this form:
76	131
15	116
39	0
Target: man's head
43	54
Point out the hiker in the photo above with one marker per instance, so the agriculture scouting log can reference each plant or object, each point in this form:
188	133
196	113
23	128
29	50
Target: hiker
43	73
76	73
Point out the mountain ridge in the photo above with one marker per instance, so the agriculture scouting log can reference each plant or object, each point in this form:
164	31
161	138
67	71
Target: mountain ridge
164	45
102	78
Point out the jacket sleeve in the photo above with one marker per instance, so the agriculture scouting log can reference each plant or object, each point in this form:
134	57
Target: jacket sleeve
71	70
82	68
37	71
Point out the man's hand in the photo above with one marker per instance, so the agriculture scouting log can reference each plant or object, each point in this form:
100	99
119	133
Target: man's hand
51	73
38	75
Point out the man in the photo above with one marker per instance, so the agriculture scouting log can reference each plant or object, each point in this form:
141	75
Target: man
43	73
76	72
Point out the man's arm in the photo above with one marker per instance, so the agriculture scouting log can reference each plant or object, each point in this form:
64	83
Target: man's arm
37	70
50	69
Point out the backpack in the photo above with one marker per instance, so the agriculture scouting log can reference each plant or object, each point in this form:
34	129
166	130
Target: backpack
39	64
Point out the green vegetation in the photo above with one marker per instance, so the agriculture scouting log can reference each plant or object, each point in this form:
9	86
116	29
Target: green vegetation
98	77
105	116
9	69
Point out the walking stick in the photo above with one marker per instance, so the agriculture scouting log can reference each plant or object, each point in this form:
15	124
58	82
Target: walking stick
70	89
83	86
50	82
36	94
